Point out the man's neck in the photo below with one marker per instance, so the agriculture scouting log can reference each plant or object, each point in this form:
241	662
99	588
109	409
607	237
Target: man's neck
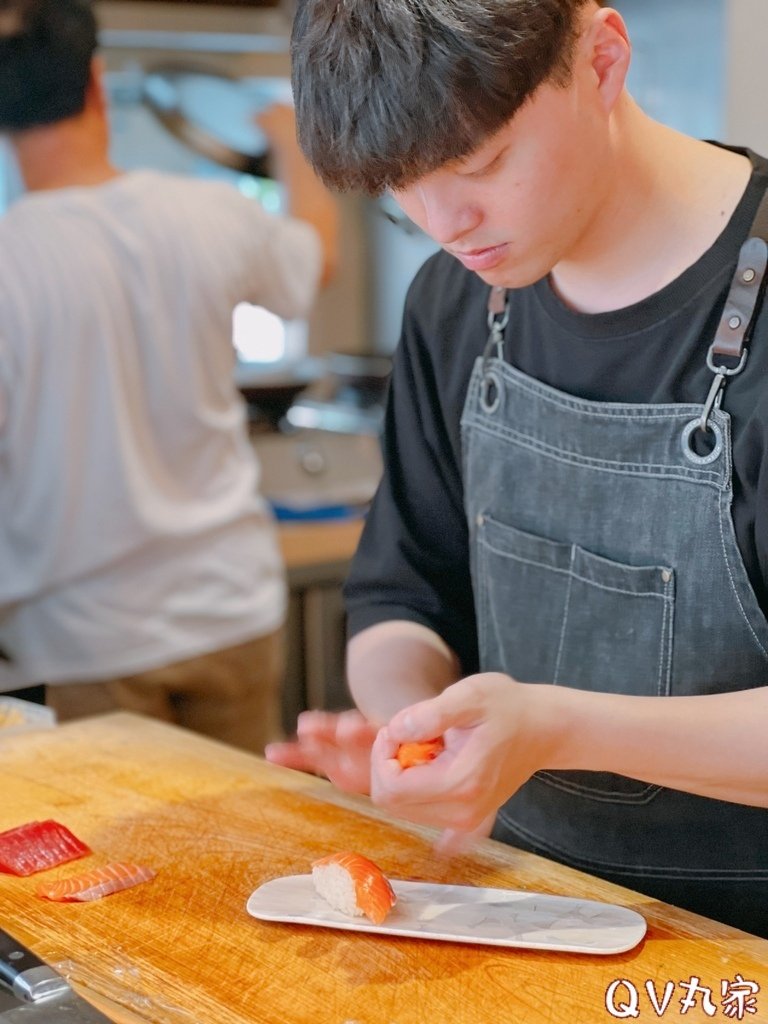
69	154
672	198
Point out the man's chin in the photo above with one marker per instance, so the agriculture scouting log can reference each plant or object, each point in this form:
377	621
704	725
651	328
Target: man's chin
511	277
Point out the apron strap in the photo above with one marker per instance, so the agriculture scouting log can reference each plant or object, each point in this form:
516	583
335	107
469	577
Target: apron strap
498	318
497	302
728	352
760	223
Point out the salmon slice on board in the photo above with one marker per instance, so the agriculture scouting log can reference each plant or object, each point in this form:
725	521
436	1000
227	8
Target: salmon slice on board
38	845
96	883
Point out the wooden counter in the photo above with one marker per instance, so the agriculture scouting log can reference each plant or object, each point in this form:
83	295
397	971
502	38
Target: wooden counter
216	823
306	546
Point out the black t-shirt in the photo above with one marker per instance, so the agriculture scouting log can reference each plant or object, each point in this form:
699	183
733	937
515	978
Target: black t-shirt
413	559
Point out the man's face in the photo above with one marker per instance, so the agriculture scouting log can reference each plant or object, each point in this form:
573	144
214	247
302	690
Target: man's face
525	200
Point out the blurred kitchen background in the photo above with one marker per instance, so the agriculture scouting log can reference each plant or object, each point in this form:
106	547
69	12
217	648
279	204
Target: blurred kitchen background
185	79
698	65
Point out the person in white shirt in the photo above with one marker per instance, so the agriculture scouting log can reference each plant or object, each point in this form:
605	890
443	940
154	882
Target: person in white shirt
139	564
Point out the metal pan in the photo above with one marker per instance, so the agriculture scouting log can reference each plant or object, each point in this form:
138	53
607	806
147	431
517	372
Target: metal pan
212	113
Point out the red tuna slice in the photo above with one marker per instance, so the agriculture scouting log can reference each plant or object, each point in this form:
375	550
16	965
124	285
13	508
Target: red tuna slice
92	885
38	845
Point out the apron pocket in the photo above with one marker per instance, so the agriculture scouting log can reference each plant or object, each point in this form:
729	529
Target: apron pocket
550	612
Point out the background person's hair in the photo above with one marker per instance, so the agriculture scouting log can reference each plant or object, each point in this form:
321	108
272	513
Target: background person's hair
388	90
46	48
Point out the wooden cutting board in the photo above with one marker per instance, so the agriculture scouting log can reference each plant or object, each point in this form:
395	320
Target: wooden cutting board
216	823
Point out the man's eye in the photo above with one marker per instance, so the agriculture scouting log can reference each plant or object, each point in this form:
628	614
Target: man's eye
481	172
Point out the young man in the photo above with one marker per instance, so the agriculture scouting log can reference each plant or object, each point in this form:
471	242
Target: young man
140	568
576	450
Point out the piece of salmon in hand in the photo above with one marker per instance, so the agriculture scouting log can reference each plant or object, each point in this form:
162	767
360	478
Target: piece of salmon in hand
411	754
96	883
354	885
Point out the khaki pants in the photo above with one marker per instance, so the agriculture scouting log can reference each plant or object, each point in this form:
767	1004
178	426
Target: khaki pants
233	695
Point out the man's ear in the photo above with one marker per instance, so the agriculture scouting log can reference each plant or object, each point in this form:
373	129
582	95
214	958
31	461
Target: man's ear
97	88
608	50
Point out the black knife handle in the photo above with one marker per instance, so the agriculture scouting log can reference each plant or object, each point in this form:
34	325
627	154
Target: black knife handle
16	957
24	974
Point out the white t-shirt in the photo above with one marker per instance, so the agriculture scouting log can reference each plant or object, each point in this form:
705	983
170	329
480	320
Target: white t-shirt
132	534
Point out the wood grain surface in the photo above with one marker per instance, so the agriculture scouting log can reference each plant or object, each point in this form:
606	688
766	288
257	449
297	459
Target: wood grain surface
216	823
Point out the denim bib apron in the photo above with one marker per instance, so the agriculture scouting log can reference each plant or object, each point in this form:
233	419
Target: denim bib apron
604	558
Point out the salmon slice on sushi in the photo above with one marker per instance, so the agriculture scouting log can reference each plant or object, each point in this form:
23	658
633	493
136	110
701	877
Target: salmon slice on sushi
354	885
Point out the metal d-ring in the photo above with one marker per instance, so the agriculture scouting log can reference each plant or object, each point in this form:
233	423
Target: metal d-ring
689	430
490	391
713	401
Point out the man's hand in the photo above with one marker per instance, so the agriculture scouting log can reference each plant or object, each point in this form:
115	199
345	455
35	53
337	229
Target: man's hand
497	734
337	745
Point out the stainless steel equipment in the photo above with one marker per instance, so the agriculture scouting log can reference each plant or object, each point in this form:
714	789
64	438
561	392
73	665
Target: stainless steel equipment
212	113
349	398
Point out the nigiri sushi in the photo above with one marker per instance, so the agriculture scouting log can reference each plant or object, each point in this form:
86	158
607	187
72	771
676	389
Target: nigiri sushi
410	754
354	885
96	883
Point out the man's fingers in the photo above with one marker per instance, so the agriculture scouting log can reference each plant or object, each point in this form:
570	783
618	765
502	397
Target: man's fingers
384	747
308	754
455	707
436	814
334	727
452	842
352	729
289	755
319	726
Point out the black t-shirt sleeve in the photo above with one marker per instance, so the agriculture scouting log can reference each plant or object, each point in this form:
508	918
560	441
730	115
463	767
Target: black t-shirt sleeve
413	559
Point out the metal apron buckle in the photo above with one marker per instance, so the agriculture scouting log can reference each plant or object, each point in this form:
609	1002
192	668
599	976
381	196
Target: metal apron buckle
498	318
731	339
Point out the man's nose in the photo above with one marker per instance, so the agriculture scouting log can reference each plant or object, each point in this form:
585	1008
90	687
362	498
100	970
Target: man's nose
448	217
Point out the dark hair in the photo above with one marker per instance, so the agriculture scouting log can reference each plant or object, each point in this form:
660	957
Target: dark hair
46	48
388	90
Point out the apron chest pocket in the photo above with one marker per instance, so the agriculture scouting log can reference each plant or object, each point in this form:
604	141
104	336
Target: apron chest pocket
556	613
550	612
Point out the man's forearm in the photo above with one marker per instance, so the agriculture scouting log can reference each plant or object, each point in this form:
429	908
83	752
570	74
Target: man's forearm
714	745
394	664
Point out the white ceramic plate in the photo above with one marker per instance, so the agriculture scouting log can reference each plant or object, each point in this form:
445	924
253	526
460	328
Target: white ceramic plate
461	913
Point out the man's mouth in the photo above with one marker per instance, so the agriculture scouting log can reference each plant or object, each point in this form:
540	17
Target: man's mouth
481	259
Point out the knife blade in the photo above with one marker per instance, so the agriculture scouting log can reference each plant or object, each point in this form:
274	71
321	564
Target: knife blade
40	994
